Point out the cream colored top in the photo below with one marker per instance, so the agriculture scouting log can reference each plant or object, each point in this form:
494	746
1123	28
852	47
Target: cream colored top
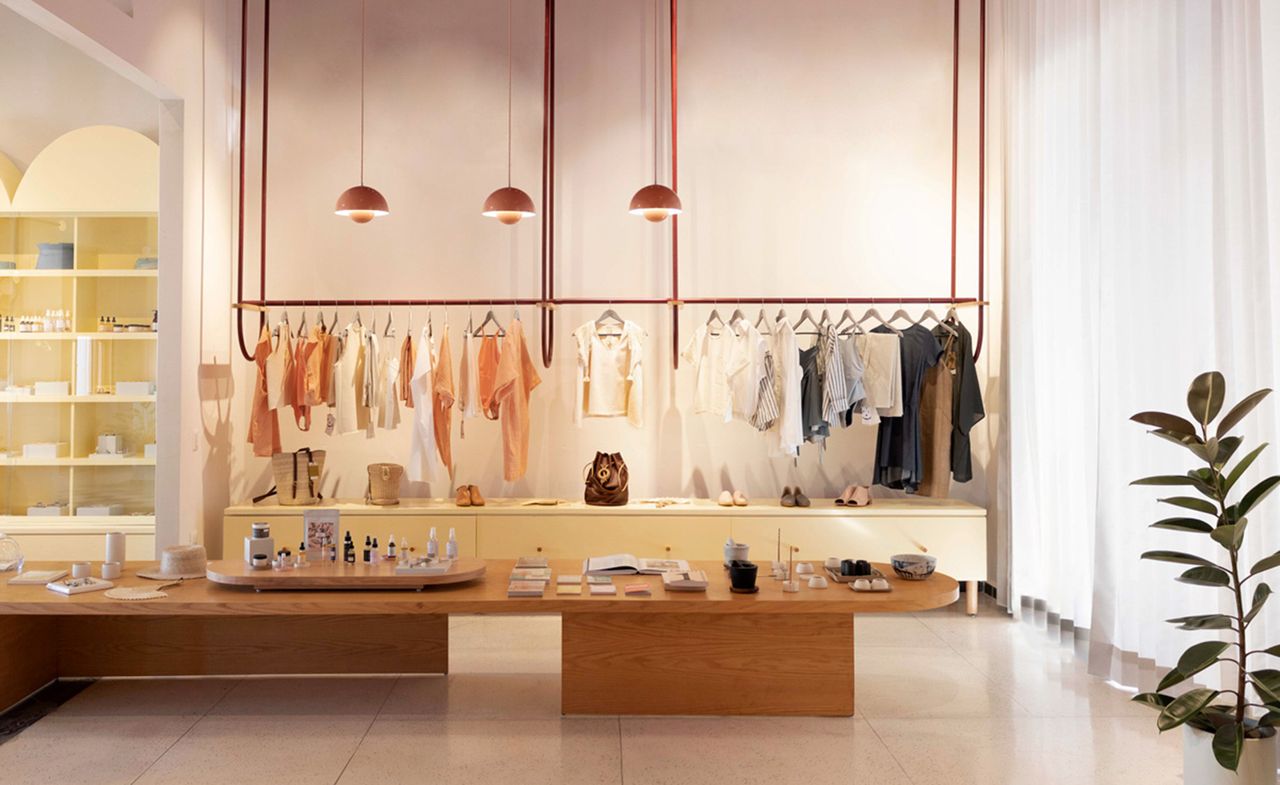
610	374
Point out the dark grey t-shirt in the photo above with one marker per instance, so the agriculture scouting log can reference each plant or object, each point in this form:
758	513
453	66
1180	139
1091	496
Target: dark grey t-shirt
898	460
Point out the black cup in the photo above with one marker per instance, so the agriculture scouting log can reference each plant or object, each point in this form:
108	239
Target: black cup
862	567
847	567
742	575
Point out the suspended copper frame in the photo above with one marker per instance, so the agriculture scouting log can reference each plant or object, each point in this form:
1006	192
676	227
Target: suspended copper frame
547	300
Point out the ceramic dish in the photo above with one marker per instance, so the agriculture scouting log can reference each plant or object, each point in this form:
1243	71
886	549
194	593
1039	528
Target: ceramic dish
838	578
913	566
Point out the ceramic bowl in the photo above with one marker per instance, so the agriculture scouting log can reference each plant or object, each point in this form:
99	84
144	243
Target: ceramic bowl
913	566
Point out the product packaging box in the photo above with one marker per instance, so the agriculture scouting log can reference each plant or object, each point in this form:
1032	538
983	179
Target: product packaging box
47	510
135	388
99	510
51	389
44	451
149	451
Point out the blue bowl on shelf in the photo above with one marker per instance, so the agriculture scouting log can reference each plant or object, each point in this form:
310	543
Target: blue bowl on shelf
913	566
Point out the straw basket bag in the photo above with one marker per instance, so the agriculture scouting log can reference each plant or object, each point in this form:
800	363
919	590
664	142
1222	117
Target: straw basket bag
384	483
297	476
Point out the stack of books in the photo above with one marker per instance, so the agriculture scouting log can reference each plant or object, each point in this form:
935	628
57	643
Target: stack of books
529	578
691	580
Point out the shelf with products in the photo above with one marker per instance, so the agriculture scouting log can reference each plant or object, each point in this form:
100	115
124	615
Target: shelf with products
125	274
70	336
101	398
100	462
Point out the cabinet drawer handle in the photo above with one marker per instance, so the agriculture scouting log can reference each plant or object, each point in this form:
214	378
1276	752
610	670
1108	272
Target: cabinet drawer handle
539	549
668	549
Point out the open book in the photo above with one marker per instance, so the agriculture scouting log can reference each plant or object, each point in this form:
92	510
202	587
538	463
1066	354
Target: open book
626	564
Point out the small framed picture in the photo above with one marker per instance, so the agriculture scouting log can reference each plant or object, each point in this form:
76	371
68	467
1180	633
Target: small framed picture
319	526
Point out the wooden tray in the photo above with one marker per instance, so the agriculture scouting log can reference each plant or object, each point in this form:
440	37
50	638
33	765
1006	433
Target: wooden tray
838	578
339	576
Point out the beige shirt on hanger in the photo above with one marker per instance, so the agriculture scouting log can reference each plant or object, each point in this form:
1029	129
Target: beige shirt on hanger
610	380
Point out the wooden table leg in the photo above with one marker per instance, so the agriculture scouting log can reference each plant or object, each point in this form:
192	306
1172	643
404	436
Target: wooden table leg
222	645
971	597
28	656
707	664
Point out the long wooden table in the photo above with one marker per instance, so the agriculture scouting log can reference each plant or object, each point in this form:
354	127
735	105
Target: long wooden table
712	653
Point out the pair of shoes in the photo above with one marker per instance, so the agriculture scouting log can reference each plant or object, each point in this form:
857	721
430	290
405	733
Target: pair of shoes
468	496
854	496
794	498
735	499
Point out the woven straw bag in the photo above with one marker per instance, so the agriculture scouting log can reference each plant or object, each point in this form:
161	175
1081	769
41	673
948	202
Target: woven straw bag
384	483
297	476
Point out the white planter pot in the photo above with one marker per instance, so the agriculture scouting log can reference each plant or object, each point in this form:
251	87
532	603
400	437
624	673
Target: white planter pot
1199	767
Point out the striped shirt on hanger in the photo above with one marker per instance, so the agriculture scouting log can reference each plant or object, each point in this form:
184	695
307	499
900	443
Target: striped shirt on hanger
767	409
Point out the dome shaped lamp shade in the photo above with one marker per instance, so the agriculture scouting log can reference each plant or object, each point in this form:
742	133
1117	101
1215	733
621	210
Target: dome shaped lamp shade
361	204
655	202
508	205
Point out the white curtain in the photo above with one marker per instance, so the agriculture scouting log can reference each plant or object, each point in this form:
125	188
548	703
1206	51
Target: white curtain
1136	234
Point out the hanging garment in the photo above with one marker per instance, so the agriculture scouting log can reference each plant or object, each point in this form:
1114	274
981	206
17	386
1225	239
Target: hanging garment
517	376
487	376
303	350
442	400
744	369
368	415
853	372
408	356
707	352
788	429
899	463
766	412
966	403
278	364
935	421
388	385
264	425
815	428
330	346
468	382
882	375
424	461
835	395
610	380
313	371
348	381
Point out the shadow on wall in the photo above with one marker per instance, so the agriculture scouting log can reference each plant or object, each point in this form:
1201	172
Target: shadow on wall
216	388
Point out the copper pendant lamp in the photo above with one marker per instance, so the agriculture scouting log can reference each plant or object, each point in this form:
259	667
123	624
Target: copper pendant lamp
655	202
361	203
508	204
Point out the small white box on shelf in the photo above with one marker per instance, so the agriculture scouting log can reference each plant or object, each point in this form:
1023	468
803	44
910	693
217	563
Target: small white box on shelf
135	388
99	510
110	444
50	389
149	451
47	510
17	389
44	450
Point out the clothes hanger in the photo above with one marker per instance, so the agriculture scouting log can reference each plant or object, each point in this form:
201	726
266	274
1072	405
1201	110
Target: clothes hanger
847	322
872	313
762	322
389	331
490	317
605	317
806	316
737	316
929	314
902	314
302	326
714	316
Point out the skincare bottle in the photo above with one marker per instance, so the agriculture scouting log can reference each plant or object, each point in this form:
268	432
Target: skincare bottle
367	544
348	550
391	548
403	551
433	545
375	556
301	559
451	547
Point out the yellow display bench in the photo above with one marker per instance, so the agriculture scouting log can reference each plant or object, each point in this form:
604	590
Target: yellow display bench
955	532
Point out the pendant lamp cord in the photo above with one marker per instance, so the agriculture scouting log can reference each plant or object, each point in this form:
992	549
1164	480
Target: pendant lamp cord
362	10
508	93
657	12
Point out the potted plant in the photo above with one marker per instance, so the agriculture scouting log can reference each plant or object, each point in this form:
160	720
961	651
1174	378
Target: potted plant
1238	724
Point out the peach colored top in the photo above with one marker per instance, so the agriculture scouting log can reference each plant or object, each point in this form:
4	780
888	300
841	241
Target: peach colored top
517	376
442	400
301	362
264	425
487	375
408	357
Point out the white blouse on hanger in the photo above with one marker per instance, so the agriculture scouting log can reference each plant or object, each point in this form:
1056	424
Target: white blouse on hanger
744	368
351	347
279	388
708	353
388	374
424	460
787	433
610	380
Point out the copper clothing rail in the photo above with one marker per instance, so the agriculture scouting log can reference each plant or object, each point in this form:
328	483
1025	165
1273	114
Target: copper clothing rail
547	301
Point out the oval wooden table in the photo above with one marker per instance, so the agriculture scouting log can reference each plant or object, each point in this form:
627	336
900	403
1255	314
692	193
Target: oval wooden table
691	653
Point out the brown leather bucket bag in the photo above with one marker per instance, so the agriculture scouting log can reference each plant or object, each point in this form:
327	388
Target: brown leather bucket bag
606	480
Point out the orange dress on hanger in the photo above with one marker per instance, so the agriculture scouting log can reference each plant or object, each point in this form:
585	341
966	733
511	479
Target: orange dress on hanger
301	358
487	375
442	399
264	425
517	376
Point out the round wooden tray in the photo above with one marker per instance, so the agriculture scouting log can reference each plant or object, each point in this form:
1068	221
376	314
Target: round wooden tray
326	575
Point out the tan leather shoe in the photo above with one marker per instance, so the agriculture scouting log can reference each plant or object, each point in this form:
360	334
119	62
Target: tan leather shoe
463	498
476	499
725	500
739	499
